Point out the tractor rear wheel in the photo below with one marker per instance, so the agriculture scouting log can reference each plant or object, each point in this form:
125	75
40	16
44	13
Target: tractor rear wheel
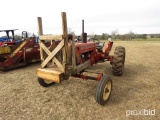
118	61
104	90
45	83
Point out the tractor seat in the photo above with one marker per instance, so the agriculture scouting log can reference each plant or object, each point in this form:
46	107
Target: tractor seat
99	46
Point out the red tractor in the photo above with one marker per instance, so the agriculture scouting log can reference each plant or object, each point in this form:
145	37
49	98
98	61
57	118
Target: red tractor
15	53
70	58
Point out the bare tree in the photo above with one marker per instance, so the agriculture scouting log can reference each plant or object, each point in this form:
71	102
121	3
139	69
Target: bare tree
70	31
114	33
131	35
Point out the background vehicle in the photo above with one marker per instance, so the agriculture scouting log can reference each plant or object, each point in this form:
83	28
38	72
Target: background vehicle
15	53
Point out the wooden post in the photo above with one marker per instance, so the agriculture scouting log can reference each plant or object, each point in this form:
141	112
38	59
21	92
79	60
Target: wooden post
52	48
65	36
40	32
40	28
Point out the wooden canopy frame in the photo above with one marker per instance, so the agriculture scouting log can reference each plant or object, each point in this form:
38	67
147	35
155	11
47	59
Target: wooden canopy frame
61	69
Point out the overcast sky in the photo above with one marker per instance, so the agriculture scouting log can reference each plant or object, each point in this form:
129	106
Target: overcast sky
100	16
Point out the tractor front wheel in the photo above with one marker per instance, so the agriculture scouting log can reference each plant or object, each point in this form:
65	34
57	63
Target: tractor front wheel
118	61
104	90
45	83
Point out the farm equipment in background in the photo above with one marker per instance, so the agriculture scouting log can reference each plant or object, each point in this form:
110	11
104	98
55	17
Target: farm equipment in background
9	41
15	53
69	58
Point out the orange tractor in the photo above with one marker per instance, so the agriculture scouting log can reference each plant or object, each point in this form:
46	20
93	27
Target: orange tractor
67	58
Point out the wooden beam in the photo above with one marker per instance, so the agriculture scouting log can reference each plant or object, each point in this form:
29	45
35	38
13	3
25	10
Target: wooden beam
41	52
54	59
40	27
52	46
83	66
40	32
53	53
65	49
51	37
58	64
54	74
44	47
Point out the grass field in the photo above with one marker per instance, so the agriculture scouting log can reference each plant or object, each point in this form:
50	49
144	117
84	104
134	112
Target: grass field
22	98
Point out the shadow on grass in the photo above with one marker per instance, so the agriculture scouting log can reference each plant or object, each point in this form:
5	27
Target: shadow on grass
124	86
20	67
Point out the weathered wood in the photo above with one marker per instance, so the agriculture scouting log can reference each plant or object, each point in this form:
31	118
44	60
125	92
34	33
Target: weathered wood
53	53
65	35
51	37
40	32
58	64
44	47
41	54
40	27
83	66
54	59
52	47
54	74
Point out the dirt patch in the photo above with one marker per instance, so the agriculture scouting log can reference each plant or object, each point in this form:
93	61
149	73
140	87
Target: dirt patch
21	97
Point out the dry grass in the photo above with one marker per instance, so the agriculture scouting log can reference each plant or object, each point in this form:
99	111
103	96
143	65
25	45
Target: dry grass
21	97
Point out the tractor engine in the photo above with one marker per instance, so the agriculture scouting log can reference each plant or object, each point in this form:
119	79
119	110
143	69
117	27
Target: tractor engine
85	51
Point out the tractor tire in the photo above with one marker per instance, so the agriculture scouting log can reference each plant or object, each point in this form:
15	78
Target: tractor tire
118	61
44	83
104	90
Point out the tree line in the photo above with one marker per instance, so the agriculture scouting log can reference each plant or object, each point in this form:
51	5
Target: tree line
115	35
128	36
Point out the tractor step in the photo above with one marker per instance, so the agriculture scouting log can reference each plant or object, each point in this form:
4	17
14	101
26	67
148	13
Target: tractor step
54	74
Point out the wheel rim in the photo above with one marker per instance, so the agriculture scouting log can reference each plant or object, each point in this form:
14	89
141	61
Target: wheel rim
107	90
48	81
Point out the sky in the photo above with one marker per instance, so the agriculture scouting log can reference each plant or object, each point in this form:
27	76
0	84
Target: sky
100	16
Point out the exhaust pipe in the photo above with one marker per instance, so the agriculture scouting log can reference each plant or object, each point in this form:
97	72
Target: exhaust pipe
84	35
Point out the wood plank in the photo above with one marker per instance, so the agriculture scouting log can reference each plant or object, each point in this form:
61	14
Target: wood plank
83	66
52	47
54	59
53	53
58	64
53	74
65	49
41	51
40	32
44	47
40	27
51	37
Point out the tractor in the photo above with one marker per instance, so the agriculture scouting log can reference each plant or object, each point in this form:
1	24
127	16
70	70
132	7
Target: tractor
15	53
67	58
